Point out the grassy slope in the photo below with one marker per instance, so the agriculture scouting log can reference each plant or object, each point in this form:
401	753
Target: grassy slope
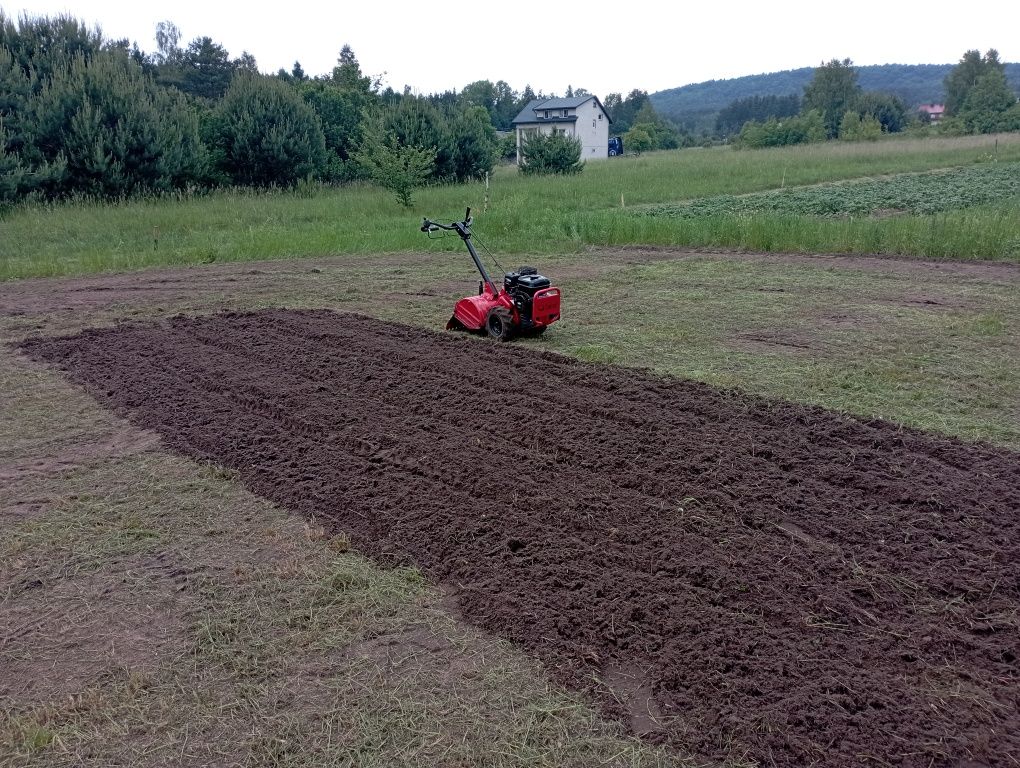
524	215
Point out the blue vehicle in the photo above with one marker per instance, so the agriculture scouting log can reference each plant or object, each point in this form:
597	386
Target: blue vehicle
615	146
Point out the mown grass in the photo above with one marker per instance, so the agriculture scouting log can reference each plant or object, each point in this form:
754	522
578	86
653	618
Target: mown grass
523	215
915	347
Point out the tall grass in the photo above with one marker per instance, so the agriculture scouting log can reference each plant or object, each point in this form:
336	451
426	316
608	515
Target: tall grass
523	214
990	232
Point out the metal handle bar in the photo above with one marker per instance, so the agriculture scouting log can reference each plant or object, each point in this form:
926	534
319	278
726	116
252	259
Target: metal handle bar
461	227
432	226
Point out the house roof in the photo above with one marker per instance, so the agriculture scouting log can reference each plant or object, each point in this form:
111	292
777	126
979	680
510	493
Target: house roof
932	108
530	113
572	103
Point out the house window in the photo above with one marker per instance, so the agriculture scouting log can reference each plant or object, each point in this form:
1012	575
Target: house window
600	115
547	113
592	123
564	113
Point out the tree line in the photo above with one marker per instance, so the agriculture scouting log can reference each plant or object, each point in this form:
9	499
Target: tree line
83	115
834	106
696	107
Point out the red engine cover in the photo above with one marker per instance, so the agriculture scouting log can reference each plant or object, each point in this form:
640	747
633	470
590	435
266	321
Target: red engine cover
545	307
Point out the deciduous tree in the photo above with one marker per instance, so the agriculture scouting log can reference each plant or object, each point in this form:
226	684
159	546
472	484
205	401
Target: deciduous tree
397	167
888	110
857	127
978	96
964	76
832	91
732	118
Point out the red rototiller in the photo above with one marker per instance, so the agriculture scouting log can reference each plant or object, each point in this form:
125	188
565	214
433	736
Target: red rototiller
526	304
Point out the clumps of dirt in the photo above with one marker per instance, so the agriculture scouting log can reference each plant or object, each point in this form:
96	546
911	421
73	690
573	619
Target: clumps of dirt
737	577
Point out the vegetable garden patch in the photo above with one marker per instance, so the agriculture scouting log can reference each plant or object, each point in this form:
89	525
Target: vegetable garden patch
734	576
919	193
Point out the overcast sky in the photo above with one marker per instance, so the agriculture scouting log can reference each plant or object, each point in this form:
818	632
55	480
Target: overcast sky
442	45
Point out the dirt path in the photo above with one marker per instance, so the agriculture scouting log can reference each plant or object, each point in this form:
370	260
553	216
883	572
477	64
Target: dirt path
733	576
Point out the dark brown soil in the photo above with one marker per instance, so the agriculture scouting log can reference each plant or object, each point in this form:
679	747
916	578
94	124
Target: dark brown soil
737	577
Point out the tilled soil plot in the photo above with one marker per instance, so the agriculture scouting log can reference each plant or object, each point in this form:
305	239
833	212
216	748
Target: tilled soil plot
740	578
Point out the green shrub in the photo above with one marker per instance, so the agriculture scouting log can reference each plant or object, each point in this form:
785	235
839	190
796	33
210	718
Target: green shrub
802	129
638	140
854	127
551	153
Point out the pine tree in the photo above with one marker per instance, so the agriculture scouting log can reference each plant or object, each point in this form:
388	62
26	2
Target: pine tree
347	73
100	126
551	153
414	122
341	115
266	134
474	141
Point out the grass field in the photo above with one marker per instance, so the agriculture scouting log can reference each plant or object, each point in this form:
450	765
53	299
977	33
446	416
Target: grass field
281	647
527	215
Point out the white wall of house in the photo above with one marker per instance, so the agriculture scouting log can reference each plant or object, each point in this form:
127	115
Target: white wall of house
591	127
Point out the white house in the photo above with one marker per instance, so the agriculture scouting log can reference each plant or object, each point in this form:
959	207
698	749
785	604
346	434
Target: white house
583	117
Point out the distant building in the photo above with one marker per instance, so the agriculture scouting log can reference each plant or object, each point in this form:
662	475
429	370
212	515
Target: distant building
935	112
582	117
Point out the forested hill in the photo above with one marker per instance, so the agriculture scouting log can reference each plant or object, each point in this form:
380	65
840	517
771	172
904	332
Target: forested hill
696	106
